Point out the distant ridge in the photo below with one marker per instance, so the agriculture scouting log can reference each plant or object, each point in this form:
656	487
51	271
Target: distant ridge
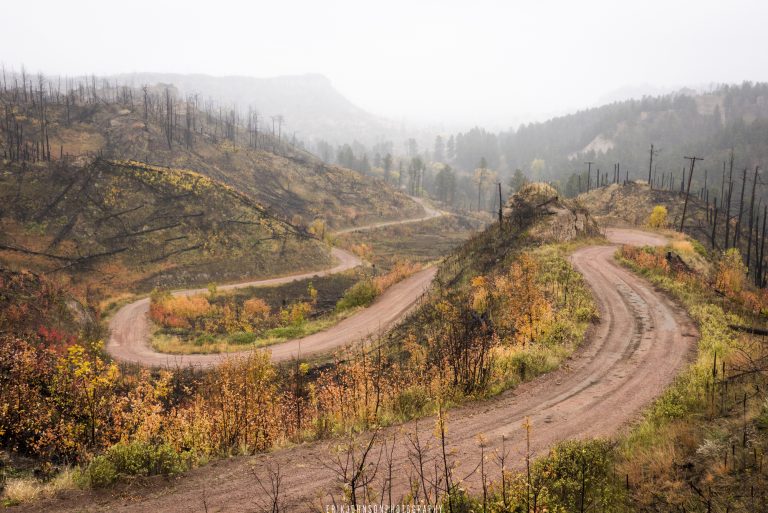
310	104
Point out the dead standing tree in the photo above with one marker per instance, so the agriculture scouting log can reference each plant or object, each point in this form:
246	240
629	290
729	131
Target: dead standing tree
589	174
727	217
751	217
354	468
737	234
269	499
688	189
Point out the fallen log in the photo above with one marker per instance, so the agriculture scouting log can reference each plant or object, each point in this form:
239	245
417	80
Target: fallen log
749	329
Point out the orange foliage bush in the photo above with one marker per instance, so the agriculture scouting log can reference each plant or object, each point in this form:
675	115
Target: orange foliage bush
400	271
647	258
179	311
514	301
256	310
729	275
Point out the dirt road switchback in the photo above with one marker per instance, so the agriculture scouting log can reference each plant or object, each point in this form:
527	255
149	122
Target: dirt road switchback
639	345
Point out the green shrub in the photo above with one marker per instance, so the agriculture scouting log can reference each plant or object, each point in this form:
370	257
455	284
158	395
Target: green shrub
578	473
133	459
587	314
100	472
242	338
361	293
561	332
285	332
410	403
205	338
699	248
670	405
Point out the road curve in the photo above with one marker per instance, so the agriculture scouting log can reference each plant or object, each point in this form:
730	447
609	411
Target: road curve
429	213
129	339
639	345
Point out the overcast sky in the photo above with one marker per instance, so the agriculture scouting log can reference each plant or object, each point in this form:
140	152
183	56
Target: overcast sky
448	61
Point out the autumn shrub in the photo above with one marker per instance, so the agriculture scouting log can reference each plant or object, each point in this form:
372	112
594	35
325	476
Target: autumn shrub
514	301
240	403
296	313
646	258
56	407
362	250
730	272
256	311
133	459
181	311
658	217
401	270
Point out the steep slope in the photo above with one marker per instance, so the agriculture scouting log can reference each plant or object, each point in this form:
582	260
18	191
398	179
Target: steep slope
127	225
158	126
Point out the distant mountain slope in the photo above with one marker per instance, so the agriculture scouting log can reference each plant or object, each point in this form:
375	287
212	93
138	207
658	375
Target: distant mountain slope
309	103
685	123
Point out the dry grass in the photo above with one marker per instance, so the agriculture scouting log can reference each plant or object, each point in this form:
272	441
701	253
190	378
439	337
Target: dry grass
19	490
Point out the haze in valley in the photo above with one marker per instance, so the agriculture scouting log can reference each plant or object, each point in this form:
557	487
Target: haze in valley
446	64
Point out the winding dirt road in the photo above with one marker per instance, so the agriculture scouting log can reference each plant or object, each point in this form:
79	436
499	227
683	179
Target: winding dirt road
430	213
129	328
641	342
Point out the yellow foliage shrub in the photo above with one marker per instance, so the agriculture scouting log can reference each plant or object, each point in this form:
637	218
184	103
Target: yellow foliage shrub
658	217
362	250
296	313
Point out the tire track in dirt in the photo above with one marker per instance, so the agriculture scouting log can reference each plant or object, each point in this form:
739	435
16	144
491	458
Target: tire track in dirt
642	341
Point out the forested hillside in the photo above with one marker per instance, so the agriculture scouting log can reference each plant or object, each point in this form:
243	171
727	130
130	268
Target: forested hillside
686	123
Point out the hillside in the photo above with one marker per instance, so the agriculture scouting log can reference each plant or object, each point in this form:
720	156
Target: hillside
706	125
126	225
310	104
631	205
680	124
158	126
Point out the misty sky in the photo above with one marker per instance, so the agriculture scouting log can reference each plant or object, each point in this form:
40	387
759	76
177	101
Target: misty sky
480	61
